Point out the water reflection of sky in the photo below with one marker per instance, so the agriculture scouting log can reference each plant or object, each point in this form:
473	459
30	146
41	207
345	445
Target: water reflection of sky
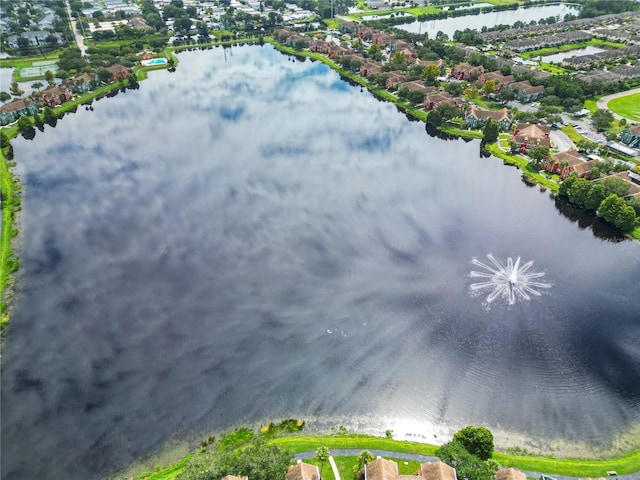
241	241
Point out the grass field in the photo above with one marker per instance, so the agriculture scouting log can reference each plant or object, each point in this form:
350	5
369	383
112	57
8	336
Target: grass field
628	107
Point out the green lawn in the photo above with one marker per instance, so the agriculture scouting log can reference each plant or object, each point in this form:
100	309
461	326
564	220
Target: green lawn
628	107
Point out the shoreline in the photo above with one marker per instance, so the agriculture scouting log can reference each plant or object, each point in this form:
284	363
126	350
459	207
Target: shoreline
336	436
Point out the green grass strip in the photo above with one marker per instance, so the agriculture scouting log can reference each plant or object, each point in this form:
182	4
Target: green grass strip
524	165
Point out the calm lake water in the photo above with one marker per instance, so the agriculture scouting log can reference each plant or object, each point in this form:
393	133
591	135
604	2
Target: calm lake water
253	239
559	57
506	17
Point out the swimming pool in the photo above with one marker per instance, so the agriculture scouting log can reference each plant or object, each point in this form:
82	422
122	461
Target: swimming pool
154	61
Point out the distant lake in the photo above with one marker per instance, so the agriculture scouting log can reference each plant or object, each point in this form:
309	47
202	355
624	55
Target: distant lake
559	57
505	17
252	238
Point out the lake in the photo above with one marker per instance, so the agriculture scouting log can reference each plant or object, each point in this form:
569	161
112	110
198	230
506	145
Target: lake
505	17
559	57
252	238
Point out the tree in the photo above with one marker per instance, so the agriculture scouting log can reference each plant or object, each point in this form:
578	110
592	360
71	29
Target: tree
602	118
4	97
104	75
476	440
490	133
48	76
4	140
626	219
467	465
430	72
15	89
537	154
365	457
563	191
24	124
595	197
257	460
611	207
615	185
37	85
489	86
434	118
322	454
579	191
471	91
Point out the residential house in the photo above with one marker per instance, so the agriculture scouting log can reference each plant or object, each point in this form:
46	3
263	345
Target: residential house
281	34
417	85
568	163
478	117
381	469
297	41
525	92
370	69
348	27
303	471
438	471
381	38
500	79
510	474
81	83
409	55
320	46
338	50
426	63
13	110
399	45
466	71
36	39
631	136
435	100
530	135
394	79
118	71
55	95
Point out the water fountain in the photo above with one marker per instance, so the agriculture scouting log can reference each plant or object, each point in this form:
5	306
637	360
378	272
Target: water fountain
511	281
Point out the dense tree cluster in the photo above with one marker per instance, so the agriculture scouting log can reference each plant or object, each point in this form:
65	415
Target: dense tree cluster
604	196
255	459
470	453
594	8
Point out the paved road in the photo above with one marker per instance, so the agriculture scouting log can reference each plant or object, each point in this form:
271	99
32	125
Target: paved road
561	141
76	35
425	458
602	103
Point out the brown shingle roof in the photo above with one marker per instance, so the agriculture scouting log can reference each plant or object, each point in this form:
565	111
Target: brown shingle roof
510	474
486	114
16	104
437	471
381	469
302	471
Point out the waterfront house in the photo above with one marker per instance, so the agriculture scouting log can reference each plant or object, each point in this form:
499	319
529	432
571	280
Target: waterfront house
303	471
435	100
81	83
118	72
631	136
569	163
381	469
633	180
320	46
55	95
510	474
525	92
530	135
13	110
394	79
478	117
370	68
466	71
438	471
416	85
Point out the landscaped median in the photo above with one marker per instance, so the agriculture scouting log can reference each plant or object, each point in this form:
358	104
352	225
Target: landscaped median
626	464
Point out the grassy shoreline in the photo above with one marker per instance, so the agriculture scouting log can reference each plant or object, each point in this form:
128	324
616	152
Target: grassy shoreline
624	464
